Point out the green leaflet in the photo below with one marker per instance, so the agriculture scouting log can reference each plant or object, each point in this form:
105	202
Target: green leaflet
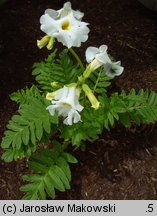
69	158
48	177
26	128
137	107
63	164
22	96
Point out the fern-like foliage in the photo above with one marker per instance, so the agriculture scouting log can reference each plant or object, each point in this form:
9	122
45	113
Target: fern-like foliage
99	81
25	129
132	107
23	96
61	70
89	129
141	106
51	172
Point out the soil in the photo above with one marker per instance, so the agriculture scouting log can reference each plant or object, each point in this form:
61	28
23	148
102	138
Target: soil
122	164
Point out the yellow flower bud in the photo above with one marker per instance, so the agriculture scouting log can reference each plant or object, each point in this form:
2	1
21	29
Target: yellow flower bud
43	42
50	43
88	92
50	96
55	84
46	41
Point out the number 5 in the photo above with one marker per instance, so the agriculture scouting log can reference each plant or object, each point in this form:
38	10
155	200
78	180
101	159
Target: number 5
150	207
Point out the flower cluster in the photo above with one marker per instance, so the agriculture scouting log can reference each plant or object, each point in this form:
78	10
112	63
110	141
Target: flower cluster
66	26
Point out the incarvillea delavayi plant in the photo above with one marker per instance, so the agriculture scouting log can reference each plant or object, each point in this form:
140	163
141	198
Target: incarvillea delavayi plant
68	105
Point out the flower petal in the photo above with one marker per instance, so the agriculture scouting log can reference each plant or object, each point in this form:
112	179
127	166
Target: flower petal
67	9
68	120
78	15
103	48
63	111
61	93
52	13
73	117
77	117
79	107
47	25
114	69
51	109
103	57
90	53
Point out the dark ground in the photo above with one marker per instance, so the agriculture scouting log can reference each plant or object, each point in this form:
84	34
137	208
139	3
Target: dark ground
123	163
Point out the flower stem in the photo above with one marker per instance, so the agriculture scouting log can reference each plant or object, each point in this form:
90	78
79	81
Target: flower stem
77	58
97	81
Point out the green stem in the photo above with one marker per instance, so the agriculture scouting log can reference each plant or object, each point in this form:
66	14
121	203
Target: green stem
77	58
97	81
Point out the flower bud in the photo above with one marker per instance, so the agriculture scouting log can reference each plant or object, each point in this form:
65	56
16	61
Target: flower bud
88	92
50	96
50	43
55	84
43	42
46	41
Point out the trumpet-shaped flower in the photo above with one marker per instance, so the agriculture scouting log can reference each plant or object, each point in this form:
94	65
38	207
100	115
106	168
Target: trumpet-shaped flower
114	69
100	54
66	10
98	57
67	104
65	28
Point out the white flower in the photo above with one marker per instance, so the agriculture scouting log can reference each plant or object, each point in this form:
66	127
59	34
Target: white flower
113	69
67	104
98	57
65	27
100	54
66	10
